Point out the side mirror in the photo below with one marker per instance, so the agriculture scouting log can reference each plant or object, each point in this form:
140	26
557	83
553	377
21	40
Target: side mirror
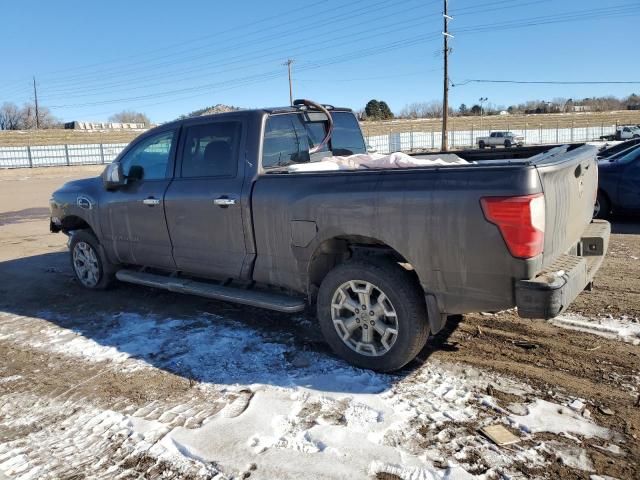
112	177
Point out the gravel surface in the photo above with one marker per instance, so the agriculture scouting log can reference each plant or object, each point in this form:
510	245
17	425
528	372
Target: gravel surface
149	384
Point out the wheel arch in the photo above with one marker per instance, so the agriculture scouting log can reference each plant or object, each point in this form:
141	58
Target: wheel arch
338	249
75	222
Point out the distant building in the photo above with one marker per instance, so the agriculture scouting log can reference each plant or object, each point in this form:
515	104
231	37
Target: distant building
578	108
633	107
104	126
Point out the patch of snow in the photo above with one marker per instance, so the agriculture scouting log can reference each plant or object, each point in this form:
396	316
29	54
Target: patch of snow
622	328
550	417
320	419
571	456
12	378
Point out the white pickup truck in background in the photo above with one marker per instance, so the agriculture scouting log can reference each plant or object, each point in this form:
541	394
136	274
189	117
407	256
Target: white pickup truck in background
623	132
505	139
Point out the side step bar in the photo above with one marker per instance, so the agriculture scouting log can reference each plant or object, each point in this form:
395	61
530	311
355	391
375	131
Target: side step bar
270	301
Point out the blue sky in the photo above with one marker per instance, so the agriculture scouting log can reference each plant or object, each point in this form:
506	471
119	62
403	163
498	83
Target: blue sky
165	58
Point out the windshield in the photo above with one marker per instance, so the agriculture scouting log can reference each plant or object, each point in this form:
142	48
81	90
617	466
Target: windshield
288	137
620	155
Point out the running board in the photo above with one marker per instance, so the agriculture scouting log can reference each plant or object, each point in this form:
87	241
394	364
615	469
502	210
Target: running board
270	301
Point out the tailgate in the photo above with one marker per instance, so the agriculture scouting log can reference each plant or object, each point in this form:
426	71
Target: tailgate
570	182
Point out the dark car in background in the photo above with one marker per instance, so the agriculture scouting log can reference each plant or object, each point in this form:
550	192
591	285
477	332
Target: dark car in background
608	151
619	183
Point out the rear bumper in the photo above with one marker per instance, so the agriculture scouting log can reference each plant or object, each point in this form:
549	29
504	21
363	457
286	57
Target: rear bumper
552	291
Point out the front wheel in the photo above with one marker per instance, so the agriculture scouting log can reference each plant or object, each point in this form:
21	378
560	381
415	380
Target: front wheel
507	144
89	265
372	313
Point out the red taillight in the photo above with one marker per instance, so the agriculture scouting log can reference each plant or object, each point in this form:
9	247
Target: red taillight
520	220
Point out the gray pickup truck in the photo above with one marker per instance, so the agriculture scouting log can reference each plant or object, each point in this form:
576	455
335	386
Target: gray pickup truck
208	206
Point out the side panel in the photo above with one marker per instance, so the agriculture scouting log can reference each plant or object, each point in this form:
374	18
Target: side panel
629	187
432	217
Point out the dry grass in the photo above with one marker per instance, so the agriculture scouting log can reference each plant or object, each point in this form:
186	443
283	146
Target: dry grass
21	138
506	122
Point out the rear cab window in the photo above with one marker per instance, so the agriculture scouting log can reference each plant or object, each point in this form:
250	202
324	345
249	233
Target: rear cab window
288	137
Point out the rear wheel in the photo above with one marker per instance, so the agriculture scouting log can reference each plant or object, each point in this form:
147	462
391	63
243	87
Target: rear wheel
372	313
481	145
602	208
88	262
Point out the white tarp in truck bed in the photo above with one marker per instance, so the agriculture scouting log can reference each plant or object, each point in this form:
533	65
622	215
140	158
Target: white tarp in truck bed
366	161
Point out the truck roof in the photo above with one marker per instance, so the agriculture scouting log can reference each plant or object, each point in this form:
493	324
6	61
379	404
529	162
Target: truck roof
253	111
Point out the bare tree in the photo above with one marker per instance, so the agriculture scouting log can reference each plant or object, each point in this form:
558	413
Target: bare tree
129	116
431	109
45	117
14	118
10	116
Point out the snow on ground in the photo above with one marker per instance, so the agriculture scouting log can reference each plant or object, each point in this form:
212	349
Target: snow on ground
289	414
623	328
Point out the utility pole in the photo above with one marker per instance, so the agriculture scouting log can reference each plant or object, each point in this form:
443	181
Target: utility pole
288	64
35	98
445	95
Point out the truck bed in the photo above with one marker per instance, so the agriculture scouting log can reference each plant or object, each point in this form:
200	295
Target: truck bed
431	216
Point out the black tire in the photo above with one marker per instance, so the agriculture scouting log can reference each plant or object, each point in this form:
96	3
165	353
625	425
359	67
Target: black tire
105	276
507	144
481	145
406	297
602	208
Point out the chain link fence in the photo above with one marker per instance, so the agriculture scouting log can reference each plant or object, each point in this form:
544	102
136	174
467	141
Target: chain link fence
413	141
462	139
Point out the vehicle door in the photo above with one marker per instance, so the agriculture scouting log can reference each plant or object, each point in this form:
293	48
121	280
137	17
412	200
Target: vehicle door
629	183
203	203
132	217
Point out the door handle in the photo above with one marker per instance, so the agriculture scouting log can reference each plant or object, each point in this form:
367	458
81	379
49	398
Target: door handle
224	201
151	201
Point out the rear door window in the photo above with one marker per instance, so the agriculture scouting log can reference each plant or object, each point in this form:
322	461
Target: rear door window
211	150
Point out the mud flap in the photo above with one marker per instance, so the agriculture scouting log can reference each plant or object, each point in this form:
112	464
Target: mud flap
437	320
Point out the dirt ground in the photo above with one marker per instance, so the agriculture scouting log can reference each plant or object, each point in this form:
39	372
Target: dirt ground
36	282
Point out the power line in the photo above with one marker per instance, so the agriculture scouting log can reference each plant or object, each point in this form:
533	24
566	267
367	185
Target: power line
264	76
236	41
299	51
549	82
278	50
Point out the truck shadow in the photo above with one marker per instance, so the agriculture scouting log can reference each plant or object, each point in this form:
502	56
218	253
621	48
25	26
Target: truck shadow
27	214
198	339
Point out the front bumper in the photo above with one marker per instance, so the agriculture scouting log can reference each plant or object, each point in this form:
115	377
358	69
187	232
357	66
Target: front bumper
552	291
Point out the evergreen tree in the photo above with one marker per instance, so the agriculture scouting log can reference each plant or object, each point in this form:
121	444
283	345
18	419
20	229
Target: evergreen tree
373	110
385	111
